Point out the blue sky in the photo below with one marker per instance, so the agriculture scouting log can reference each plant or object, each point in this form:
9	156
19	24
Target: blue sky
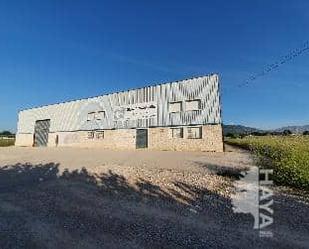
58	50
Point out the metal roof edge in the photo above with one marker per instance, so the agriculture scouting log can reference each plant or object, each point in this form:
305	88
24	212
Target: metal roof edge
122	91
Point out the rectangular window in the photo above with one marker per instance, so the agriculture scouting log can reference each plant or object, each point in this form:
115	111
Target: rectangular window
193	105
194	132
90	135
175	106
90	116
177	132
99	135
100	115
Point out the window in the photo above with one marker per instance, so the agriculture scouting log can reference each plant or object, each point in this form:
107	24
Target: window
90	116
100	115
175	106
177	132
194	132
193	105
90	135
99	135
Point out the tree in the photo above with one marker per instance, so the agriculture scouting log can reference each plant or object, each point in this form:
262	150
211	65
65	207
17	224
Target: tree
6	133
287	132
259	133
231	135
234	135
306	133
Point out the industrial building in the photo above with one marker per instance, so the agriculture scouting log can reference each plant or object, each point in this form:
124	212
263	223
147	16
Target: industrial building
183	115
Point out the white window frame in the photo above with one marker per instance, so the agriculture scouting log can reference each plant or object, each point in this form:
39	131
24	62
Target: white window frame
177	128
90	135
90	116
99	115
173	103
98	133
200	132
193	100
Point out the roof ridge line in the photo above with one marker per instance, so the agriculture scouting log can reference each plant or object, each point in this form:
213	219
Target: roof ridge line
132	89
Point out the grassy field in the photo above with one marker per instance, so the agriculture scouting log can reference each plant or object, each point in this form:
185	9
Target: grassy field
287	155
6	142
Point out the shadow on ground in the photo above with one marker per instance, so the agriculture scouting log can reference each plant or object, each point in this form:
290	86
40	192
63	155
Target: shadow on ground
234	173
43	208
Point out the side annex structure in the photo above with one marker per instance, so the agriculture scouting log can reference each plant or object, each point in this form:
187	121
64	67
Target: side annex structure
183	115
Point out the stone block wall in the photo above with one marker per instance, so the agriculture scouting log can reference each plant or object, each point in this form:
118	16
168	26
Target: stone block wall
158	139
212	140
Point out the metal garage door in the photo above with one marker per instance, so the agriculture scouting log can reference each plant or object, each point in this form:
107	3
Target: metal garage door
41	131
141	138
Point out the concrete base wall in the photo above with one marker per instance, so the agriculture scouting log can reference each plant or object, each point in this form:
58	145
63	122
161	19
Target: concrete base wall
158	139
24	140
113	139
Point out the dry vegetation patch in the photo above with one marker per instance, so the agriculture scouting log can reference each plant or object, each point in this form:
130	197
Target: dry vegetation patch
287	155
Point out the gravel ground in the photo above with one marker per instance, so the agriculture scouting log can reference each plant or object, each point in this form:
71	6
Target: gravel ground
93	198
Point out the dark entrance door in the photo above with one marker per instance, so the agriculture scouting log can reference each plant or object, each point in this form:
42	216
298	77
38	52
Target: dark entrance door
141	138
41	131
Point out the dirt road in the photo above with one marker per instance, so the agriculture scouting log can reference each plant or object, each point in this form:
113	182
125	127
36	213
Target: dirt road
92	198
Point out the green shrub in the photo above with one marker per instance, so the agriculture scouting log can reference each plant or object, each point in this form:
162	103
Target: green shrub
6	142
287	155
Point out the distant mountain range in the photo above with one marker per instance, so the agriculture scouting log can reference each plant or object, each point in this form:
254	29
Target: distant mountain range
241	129
295	128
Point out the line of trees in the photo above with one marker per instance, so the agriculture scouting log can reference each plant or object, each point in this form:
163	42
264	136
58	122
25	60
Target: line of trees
260	133
6	134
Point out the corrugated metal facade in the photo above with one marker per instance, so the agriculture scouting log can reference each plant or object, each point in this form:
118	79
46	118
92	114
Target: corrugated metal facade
145	107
